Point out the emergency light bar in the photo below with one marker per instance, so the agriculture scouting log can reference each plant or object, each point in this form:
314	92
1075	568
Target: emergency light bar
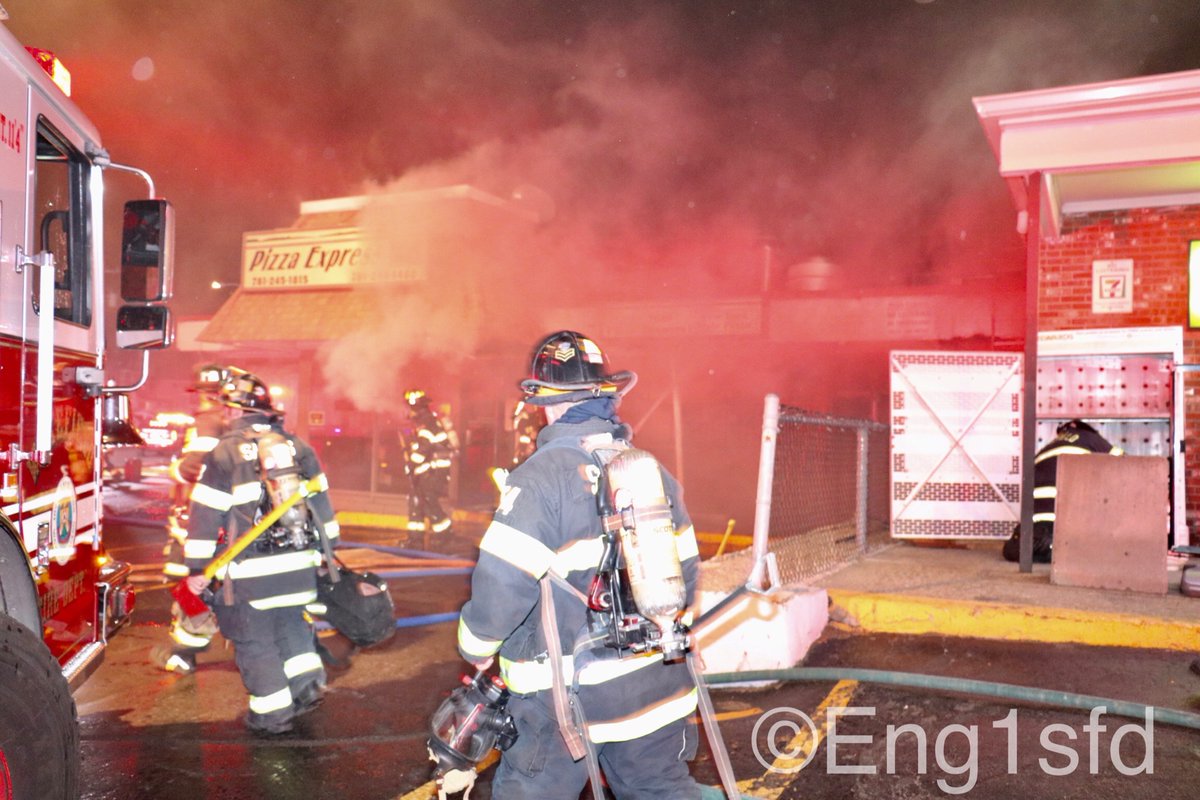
53	67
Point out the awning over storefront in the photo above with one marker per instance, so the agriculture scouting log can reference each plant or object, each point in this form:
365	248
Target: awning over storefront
1099	147
292	316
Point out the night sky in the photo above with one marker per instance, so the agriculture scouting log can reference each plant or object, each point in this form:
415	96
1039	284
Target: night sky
664	144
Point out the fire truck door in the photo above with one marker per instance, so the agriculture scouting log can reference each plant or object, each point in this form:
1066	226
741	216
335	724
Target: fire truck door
59	483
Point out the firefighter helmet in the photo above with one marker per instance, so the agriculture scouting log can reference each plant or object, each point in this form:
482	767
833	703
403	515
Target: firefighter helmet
416	397
1074	425
210	378
567	367
246	391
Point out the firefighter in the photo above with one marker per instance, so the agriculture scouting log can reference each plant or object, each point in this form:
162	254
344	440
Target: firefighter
527	421
260	599
1071	437
637	708
208	425
429	451
190	636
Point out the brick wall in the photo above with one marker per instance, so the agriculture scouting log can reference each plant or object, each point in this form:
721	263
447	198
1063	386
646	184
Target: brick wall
1157	241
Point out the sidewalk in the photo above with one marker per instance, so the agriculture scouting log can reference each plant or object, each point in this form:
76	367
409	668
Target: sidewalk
969	590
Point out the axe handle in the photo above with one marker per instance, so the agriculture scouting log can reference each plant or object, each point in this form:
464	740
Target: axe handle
311	486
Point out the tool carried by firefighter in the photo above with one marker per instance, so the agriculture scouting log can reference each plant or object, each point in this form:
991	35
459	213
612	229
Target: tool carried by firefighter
466	727
356	604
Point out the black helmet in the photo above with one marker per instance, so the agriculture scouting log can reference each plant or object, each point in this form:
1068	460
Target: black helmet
416	397
567	367
245	391
211	377
1074	425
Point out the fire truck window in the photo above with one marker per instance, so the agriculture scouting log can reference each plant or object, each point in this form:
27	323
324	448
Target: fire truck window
61	219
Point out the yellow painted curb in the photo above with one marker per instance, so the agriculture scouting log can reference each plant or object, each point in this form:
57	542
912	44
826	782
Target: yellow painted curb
906	614
364	519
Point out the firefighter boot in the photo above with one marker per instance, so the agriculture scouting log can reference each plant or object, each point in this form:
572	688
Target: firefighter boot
308	699
179	662
264	725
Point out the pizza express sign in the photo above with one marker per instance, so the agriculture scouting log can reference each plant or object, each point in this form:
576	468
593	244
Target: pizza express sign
302	259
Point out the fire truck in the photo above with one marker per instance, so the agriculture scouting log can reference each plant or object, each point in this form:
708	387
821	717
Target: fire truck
61	594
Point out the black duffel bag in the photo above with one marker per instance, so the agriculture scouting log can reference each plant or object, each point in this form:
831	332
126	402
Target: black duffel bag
357	605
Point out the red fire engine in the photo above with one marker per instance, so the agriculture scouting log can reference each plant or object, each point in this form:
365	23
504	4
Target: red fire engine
61	594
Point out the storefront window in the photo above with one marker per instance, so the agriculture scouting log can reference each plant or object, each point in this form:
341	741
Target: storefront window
363	453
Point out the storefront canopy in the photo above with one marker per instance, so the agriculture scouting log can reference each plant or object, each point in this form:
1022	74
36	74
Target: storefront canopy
288	316
1099	147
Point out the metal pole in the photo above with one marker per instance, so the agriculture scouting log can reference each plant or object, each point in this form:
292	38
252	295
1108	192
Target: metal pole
1033	238
766	476
677	414
861	488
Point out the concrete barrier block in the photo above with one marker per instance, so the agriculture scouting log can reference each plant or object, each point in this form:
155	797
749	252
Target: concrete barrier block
762	632
1111	523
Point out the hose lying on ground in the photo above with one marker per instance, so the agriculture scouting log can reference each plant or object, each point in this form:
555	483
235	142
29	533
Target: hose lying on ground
1005	691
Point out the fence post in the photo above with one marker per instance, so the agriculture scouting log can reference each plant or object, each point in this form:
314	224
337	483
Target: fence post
863	461
766	477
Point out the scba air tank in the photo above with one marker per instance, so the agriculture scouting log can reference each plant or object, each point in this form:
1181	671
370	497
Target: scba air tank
647	538
277	460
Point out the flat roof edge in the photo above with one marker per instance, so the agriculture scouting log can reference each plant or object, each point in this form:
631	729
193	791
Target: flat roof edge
1109	96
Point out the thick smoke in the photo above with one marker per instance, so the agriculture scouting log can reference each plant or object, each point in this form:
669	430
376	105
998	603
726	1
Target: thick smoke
672	151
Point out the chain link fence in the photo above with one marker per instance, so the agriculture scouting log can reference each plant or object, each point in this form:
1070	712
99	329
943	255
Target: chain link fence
822	498
829	498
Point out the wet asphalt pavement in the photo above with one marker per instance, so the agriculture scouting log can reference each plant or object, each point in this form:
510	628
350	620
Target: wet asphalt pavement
149	734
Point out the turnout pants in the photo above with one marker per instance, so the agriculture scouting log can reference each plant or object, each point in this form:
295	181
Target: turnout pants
276	657
425	501
539	767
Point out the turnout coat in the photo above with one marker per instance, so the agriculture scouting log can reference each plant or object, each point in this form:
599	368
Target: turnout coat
547	519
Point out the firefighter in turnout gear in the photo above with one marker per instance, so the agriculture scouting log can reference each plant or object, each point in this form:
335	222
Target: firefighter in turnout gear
546	534
526	424
260	597
429	451
190	636
208	425
1072	437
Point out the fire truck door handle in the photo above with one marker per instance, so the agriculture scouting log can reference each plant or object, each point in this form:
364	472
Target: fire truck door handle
45	358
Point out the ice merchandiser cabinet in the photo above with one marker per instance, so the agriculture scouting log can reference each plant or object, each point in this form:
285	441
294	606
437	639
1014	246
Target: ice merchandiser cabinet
1121	381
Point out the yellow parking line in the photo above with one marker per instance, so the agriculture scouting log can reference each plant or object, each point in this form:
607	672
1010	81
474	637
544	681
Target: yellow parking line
748	712
779	776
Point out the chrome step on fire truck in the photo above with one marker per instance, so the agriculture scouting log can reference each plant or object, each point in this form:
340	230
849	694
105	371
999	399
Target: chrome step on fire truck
61	594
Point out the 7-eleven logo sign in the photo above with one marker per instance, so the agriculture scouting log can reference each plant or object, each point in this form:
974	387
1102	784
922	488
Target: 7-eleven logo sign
1112	286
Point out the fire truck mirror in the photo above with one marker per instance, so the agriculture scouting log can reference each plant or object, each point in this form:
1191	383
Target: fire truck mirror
145	327
147	251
